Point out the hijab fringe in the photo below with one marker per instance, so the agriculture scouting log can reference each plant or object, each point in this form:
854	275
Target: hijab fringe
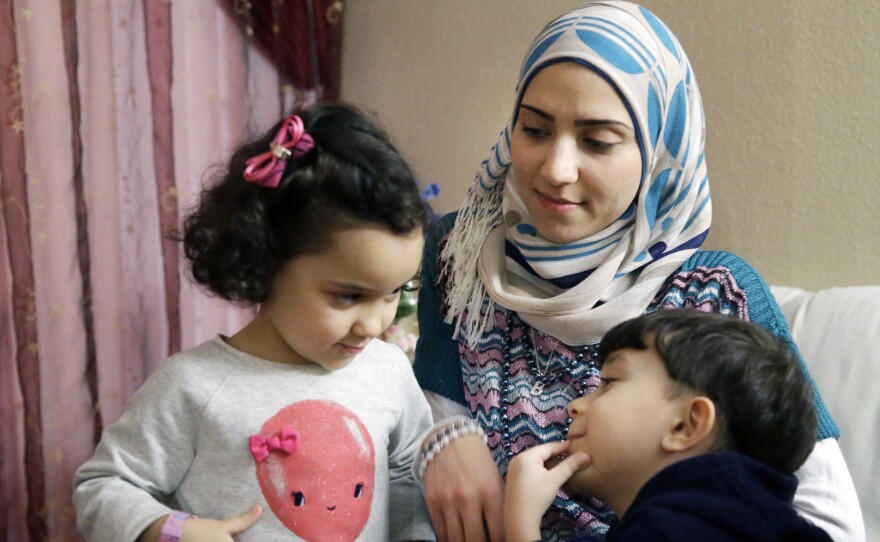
479	214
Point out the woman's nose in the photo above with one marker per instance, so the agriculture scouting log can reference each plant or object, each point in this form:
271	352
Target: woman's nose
561	165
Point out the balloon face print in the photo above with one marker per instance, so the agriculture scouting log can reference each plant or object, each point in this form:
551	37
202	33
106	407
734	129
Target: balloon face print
322	490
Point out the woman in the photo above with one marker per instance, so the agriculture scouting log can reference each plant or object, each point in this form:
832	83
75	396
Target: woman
590	209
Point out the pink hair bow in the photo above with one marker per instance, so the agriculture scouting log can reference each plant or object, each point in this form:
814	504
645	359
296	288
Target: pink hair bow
291	141
287	440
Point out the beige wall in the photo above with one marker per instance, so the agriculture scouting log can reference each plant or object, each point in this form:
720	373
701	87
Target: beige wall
791	90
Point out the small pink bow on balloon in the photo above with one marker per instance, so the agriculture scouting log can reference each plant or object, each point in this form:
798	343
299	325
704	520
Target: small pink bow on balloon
287	440
291	141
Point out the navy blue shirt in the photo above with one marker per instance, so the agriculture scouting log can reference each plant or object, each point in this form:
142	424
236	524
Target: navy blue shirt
717	497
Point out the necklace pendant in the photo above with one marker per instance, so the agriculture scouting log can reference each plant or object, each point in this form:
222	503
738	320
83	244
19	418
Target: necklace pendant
537	388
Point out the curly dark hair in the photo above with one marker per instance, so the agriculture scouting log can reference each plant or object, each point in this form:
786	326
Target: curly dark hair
762	395
241	234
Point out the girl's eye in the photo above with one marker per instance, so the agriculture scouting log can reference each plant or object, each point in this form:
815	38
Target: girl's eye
298	498
358	491
607	381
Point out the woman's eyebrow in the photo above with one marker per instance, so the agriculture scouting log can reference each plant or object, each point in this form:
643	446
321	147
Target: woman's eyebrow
580	123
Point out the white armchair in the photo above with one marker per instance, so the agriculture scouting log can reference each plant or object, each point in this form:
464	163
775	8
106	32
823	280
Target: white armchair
838	333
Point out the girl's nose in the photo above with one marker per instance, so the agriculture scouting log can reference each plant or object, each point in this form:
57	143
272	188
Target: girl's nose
373	321
369	325
561	165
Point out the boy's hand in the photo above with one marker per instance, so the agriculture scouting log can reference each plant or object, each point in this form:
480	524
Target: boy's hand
531	487
208	530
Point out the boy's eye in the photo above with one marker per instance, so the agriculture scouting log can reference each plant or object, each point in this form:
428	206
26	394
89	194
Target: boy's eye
347	299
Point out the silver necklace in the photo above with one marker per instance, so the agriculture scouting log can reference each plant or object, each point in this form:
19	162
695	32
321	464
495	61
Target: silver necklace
542	367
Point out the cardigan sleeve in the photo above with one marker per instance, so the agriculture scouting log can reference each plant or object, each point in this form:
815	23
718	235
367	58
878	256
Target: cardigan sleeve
763	310
437	363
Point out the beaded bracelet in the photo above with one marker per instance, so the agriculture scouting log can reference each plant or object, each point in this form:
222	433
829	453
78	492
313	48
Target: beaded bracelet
444	433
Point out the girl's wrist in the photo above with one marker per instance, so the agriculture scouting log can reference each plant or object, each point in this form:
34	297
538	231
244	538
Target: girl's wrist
172	527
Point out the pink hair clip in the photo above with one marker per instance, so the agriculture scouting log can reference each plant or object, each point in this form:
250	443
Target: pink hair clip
287	440
291	140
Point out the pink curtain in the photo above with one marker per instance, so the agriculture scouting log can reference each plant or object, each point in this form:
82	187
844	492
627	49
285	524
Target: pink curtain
110	113
301	37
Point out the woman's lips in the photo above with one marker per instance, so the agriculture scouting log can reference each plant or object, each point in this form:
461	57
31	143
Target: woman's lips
557	205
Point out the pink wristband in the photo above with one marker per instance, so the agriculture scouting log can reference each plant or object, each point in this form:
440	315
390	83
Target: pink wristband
172	529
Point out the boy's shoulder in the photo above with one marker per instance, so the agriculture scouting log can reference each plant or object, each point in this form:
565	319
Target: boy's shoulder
695	498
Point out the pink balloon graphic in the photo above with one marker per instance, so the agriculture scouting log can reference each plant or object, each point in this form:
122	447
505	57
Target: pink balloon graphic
323	490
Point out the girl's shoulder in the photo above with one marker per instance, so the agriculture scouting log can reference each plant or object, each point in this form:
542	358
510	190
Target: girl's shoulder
385	358
212	357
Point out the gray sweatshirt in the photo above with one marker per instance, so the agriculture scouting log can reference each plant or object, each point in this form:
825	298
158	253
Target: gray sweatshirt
332	455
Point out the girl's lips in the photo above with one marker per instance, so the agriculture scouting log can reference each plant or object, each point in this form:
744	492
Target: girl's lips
352	349
556	204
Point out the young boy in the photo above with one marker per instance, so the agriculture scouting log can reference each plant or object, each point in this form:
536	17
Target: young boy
693	435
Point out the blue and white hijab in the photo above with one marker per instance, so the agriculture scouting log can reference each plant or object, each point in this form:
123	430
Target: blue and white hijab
617	271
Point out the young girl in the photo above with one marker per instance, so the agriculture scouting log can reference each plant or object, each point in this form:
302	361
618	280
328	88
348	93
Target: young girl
300	426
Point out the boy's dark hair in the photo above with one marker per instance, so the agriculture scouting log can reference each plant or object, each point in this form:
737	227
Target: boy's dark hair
241	234
762	396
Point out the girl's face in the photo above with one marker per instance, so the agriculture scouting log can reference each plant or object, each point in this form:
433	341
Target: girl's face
575	156
326	306
621	426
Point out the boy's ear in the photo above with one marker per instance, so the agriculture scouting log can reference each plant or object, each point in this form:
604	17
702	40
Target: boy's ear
692	426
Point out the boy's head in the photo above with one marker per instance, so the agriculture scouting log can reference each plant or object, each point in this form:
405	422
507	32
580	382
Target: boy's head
678	383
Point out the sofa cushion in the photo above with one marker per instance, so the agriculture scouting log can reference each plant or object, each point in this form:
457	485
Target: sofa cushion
837	331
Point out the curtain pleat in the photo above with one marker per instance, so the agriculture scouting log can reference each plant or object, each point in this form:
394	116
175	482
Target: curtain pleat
158	45
65	406
71	60
22	463
101	193
111	113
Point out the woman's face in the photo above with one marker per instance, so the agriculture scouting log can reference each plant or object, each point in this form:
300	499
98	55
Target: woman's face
575	155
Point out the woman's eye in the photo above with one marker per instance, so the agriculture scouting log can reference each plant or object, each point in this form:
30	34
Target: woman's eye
534	131
597	145
298	498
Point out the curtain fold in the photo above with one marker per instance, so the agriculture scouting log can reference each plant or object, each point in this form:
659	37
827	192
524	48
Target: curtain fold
111	112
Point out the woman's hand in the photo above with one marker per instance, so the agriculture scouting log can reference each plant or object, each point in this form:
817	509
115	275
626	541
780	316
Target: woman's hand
533	478
464	493
207	530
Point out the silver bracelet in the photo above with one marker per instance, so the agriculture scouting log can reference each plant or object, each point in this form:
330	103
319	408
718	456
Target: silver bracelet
444	433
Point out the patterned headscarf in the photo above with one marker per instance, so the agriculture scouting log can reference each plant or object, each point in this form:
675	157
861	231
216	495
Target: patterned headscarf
580	289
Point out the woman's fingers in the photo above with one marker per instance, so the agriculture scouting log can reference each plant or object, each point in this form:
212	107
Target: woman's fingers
462	487
493	511
454	529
